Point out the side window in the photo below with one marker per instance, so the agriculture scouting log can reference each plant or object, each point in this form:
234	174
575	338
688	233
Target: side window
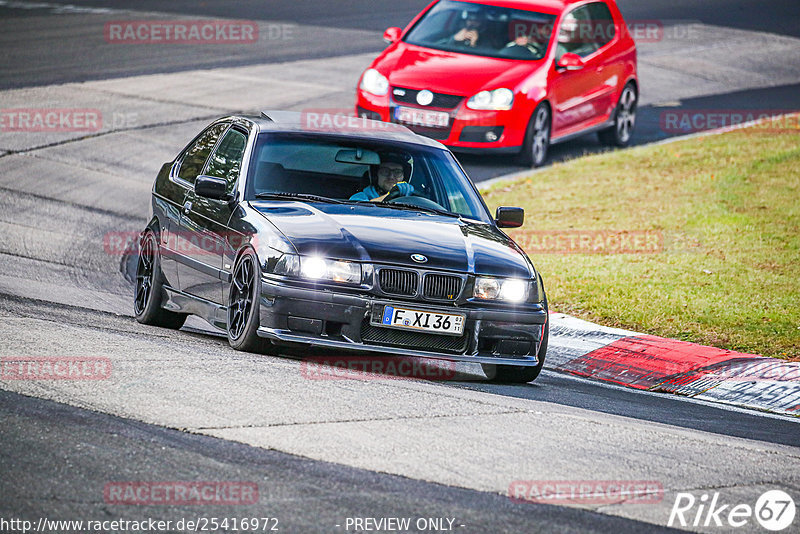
576	35
226	161
602	23
195	157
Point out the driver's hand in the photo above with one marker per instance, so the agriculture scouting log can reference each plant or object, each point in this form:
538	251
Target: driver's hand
466	36
521	40
402	189
472	37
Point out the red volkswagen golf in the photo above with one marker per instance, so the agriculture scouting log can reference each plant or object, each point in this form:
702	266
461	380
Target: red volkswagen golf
507	76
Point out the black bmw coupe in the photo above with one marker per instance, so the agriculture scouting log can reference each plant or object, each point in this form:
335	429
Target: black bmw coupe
284	229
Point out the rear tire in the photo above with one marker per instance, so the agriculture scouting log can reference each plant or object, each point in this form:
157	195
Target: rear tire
621	133
149	292
516	374
243	306
537	138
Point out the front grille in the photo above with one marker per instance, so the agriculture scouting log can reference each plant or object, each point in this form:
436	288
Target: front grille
398	282
441	286
376	335
440	100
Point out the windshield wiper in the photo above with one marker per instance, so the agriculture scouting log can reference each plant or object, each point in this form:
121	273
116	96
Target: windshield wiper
296	196
414	207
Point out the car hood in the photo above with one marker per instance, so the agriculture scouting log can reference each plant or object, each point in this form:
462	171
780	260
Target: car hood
389	236
416	67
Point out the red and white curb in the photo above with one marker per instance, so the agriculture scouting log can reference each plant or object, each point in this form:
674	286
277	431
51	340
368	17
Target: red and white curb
659	364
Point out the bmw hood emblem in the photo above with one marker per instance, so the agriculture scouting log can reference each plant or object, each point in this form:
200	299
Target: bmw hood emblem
419	258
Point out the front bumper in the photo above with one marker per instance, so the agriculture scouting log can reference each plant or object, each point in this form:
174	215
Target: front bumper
328	319
467	129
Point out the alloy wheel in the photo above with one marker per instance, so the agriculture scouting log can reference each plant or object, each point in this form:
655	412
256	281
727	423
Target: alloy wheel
241	299
541	135
144	275
626	115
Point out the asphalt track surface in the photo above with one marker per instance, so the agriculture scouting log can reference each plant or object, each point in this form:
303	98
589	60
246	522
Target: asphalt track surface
38	51
87	450
183	406
47	43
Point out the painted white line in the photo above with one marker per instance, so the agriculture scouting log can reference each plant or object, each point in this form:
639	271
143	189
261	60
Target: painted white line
56	8
721	406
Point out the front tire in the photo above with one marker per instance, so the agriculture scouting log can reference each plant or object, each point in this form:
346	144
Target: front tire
243	305
621	133
537	138
149	292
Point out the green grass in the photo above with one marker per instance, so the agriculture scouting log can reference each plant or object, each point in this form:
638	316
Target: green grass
728	208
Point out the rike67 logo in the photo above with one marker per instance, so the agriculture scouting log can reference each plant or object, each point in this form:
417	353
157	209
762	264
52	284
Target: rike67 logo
774	510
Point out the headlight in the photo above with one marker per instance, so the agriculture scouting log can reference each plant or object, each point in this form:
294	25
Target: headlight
507	289
374	82
287	265
499	99
317	268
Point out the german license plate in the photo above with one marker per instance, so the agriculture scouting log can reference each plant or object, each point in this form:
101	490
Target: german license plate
422	117
421	320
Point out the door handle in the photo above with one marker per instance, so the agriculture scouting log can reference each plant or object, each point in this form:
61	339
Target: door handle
187	206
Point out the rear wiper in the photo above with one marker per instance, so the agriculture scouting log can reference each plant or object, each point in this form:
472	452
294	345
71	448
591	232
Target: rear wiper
296	196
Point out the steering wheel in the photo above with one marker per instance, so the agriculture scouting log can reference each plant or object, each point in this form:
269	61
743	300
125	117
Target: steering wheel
512	49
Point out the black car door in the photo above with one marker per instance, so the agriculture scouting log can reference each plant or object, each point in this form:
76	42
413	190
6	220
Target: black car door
205	220
176	243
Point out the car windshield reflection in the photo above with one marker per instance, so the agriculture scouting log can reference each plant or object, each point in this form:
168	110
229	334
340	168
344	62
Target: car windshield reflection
334	170
481	30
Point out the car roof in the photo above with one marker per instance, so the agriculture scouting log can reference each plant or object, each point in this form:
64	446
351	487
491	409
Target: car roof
551	6
332	123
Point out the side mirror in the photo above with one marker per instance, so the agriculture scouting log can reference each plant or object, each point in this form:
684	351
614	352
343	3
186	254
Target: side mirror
392	34
508	217
570	61
211	187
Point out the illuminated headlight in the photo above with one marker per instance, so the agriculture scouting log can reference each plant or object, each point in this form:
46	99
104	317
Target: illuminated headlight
507	289
374	82
317	268
499	99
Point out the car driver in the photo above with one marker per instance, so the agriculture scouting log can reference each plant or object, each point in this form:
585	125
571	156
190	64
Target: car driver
389	177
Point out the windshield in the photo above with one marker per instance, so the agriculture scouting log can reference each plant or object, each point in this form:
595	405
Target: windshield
483	30
305	166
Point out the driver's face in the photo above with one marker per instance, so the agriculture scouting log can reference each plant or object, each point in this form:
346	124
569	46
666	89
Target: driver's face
389	174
